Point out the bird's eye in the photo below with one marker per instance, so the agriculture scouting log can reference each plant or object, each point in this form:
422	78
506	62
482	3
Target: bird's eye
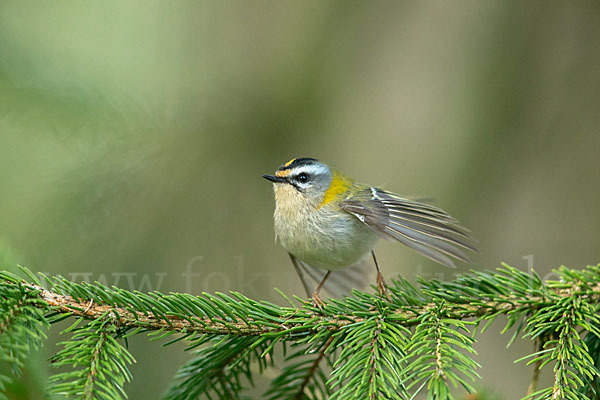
302	177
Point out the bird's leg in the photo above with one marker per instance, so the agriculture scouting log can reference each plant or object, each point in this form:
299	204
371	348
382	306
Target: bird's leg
317	302
300	273
380	281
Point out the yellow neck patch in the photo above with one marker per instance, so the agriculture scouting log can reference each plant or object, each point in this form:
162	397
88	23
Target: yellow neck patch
339	185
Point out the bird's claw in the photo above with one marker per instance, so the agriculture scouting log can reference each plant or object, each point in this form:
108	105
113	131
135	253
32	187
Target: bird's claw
381	286
317	302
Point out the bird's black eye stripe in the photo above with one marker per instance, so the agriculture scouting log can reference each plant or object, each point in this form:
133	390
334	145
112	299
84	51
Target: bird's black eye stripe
302	177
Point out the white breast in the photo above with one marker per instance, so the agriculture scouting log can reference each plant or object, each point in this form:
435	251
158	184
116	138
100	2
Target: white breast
321	237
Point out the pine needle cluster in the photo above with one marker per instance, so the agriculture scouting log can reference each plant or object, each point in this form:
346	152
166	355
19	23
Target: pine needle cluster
422	340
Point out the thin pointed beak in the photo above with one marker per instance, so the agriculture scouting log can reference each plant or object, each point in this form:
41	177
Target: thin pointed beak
275	179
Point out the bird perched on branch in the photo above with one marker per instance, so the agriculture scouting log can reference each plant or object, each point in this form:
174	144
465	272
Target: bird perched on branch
329	223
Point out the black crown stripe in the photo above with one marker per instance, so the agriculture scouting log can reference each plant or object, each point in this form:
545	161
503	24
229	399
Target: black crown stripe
296	162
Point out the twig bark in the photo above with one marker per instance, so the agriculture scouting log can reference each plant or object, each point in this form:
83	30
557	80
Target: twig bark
408	316
535	376
313	369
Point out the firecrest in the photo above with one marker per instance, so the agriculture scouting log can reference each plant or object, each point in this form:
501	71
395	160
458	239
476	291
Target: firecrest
329	223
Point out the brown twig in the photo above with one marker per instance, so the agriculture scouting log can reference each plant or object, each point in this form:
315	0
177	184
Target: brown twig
313	369
535	377
94	362
128	318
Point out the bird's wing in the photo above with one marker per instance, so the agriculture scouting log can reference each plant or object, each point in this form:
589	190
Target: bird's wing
340	282
422	227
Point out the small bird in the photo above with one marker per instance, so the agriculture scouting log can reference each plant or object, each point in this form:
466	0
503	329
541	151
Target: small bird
328	223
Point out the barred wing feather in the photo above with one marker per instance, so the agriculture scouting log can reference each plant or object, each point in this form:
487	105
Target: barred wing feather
424	228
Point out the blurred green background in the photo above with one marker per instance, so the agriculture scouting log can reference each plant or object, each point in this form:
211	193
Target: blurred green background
133	137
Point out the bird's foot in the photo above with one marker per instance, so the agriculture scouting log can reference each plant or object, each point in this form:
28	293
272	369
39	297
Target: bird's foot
381	286
317	302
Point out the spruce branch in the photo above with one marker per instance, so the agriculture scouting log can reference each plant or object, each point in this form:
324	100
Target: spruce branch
479	295
315	372
592	385
435	348
563	321
537	366
22	328
102	362
303	377
377	348
371	358
218	367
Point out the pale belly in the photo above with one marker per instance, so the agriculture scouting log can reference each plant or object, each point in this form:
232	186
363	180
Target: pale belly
324	239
